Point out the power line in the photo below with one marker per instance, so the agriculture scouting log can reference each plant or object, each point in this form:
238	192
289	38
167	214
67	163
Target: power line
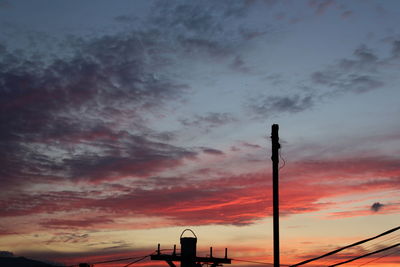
122	259
133	262
345	247
390	238
383	256
365	255
284	161
259	262
116	260
394	238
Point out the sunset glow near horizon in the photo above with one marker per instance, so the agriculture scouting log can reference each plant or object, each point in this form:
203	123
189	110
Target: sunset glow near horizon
122	123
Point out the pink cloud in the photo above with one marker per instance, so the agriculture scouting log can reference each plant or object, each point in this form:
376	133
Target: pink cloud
228	199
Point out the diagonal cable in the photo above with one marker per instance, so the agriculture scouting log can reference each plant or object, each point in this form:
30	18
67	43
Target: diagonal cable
365	255
345	247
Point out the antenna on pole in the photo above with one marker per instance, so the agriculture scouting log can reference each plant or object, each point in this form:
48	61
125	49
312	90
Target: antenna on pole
275	189
188	257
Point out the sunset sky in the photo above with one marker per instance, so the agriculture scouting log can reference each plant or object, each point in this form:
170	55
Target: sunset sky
122	123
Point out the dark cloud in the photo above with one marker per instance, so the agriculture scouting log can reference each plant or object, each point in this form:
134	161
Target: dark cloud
25	204
396	49
197	17
110	245
136	157
377	207
5	4
72	238
82	114
275	79
347	82
365	61
249	34
212	151
126	19
198	46
58	113
239	65
55	114
213	29
382	12
365	57
209	121
246	144
191	17
77	223
363	83
321	6
272	105
235	149
347	14
358	75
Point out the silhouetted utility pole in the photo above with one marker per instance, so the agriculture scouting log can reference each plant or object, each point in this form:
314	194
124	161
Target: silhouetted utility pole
188	257
275	189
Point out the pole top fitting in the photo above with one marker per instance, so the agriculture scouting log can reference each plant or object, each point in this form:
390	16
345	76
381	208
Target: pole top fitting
190	231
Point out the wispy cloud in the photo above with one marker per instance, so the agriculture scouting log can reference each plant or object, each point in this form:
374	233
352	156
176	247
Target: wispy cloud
229	199
272	105
360	74
209	121
66	118
321	6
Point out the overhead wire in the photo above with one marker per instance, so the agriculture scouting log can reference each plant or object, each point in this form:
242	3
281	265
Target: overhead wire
383	256
259	262
390	238
394	240
116	260
365	255
348	246
137	260
280	156
122	259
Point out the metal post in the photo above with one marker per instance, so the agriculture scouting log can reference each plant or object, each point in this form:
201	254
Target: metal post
275	189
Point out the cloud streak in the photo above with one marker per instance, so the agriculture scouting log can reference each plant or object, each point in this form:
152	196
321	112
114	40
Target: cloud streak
229	199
